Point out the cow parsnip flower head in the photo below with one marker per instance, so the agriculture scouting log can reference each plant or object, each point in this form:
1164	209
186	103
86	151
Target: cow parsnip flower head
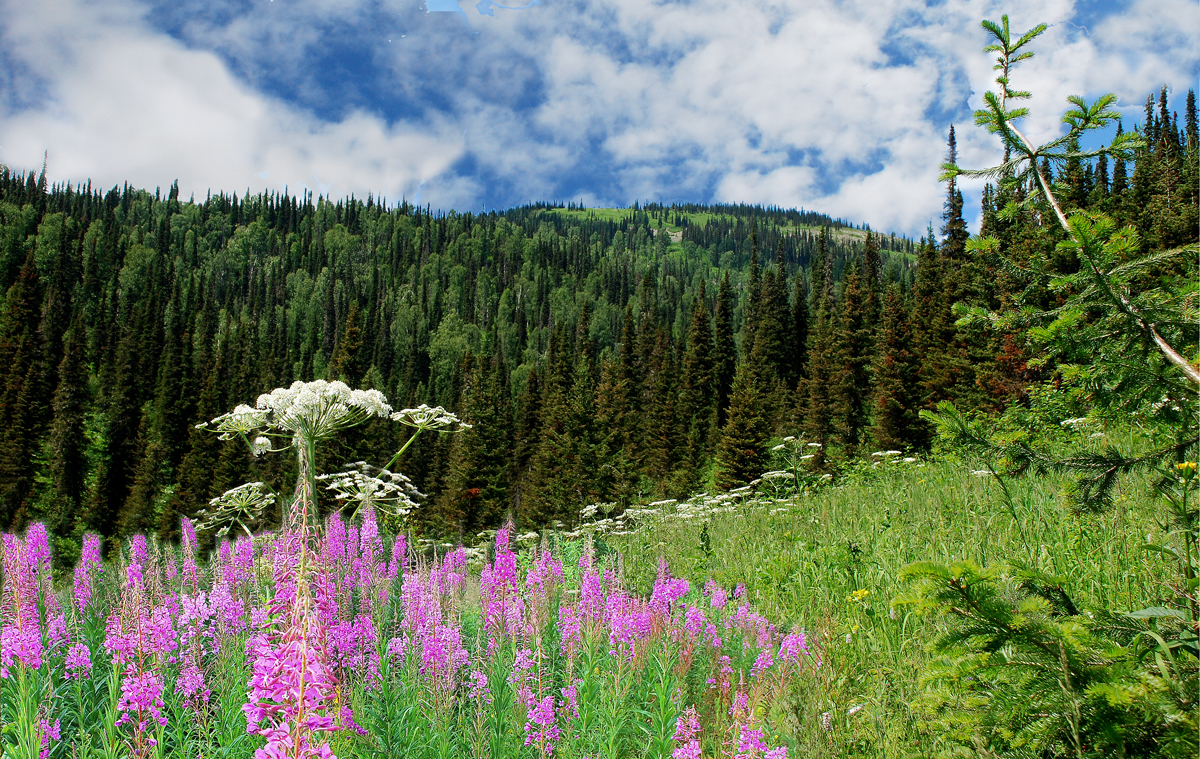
310	410
365	485
426	418
239	507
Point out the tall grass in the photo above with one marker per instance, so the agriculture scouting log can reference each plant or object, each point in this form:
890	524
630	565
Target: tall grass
831	559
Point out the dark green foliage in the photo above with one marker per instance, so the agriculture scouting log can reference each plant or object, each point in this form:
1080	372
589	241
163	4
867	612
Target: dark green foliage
896	425
742	451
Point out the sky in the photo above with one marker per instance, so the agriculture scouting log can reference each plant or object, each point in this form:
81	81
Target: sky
839	107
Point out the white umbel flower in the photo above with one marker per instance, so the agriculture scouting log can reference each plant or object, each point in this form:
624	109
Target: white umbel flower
363	485
424	417
313	410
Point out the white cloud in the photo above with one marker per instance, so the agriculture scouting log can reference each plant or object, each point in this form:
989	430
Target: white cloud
840	107
127	103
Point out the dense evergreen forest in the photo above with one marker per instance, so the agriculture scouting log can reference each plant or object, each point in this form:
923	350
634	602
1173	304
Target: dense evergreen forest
601	354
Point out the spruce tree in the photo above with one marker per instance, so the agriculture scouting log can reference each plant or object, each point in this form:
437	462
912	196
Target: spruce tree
697	400
741	454
896	395
852	380
724	349
822	356
21	389
799	331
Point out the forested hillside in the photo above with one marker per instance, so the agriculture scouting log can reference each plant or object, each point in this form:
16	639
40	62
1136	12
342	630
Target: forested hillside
600	354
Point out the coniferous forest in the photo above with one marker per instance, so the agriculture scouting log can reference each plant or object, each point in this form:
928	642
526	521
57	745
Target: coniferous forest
602	355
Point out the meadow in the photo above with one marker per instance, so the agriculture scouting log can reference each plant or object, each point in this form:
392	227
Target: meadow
756	623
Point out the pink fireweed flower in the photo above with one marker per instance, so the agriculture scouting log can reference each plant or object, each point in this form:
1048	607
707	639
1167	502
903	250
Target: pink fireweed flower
37	547
346	718
23	645
570	700
750	744
79	662
630	621
503	604
242	561
49	732
89	565
739	591
138	558
372	544
793	646
20	635
477	687
687	735
397	647
591	598
290	686
522	663
667	590
190	684
158	632
540	729
396	565
777	753
335	538
571	629
694	621
119	645
762	663
56	630
740	708
191	576
717	595
141	700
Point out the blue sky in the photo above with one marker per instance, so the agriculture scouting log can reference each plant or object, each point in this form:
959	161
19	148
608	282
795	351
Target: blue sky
840	107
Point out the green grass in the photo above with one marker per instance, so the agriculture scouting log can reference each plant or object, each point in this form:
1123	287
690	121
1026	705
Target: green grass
803	566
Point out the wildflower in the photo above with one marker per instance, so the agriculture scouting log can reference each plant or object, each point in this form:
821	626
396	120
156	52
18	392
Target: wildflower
141	700
687	735
238	507
827	721
540	729
854	710
49	732
750	743
792	647
477	687
424	417
762	663
190	684
79	662
858	596
363	486
739	590
776	753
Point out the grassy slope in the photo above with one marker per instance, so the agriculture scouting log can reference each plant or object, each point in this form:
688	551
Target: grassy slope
804	563
697	219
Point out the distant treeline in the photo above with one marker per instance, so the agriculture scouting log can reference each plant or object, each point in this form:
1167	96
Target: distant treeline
601	355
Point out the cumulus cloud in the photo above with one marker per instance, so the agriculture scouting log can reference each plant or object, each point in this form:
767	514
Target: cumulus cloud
840	107
125	102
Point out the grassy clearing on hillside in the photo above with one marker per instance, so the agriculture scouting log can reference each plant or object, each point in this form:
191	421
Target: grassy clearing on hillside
830	561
